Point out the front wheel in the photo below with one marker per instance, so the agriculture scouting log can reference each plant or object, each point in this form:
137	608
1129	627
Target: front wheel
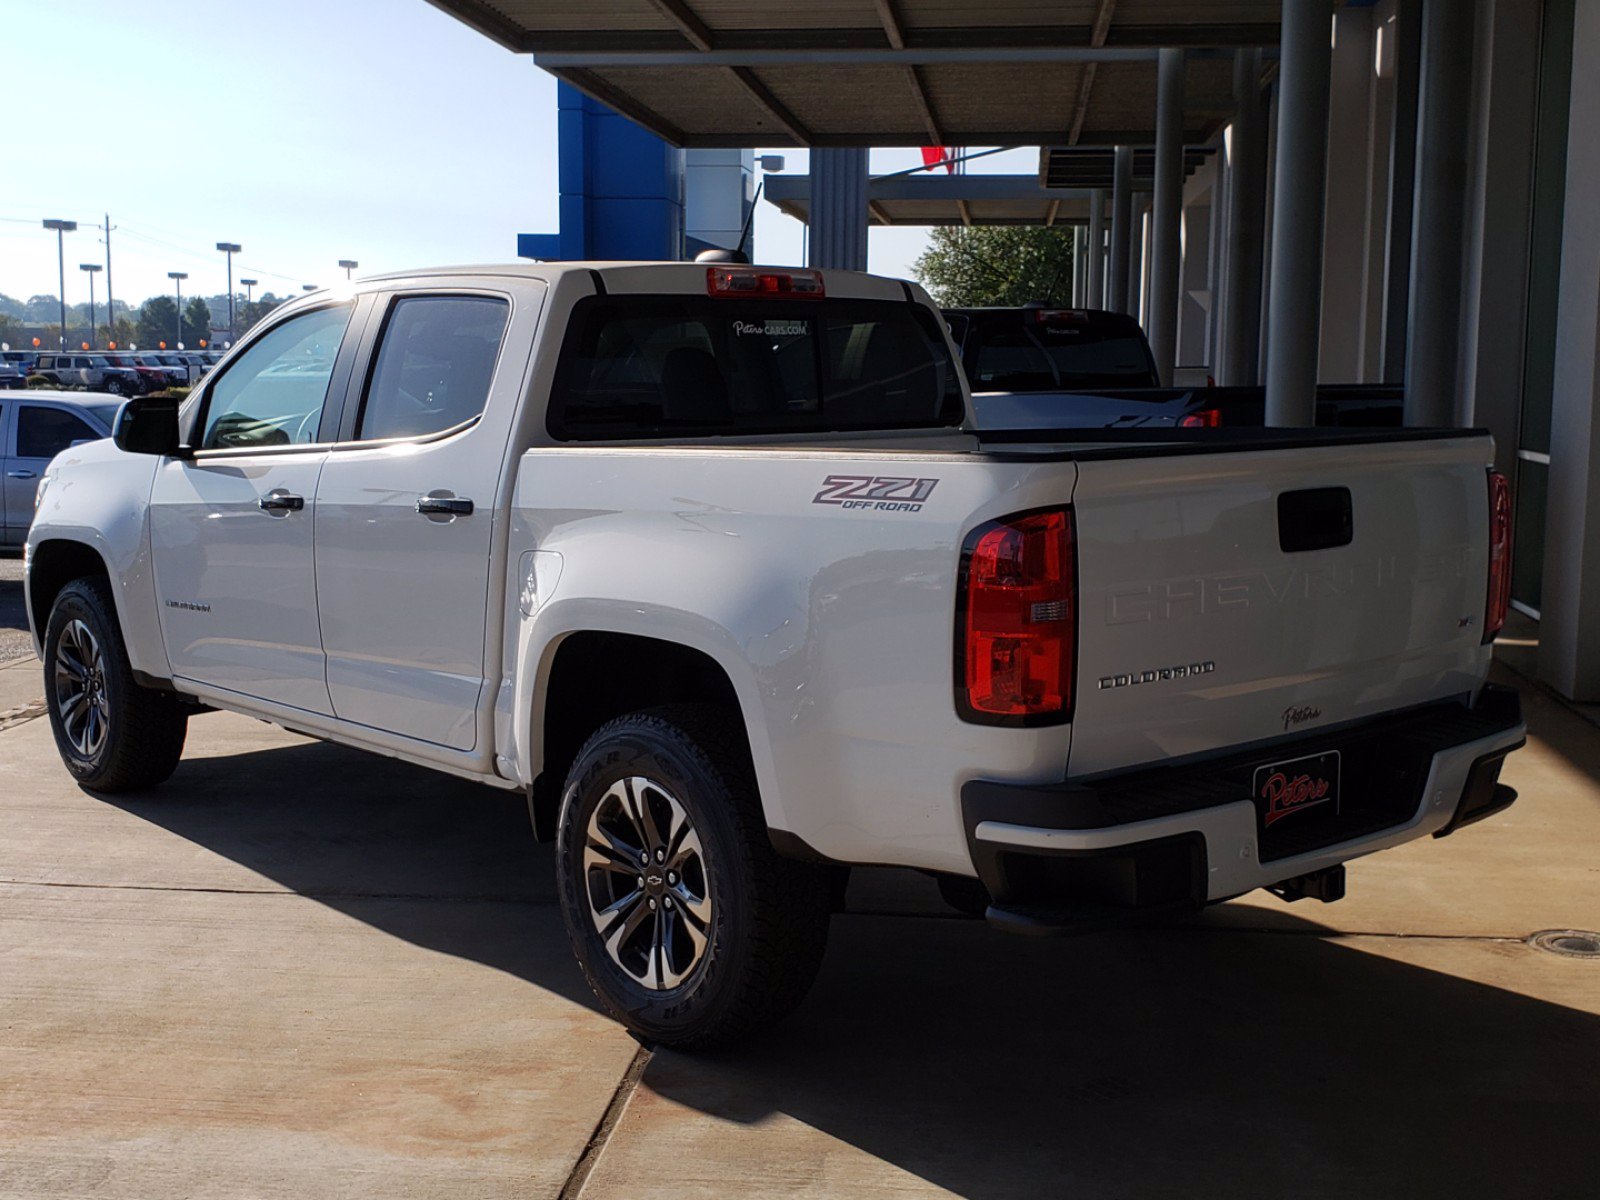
113	735
690	928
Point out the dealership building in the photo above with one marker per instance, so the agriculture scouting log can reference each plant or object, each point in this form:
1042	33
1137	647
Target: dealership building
1285	192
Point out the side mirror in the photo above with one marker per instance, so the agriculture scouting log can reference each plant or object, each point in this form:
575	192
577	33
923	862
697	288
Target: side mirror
148	425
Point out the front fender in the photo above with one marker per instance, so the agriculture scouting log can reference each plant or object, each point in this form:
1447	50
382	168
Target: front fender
99	497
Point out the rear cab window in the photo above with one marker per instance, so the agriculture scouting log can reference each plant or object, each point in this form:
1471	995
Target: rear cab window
648	366
1031	351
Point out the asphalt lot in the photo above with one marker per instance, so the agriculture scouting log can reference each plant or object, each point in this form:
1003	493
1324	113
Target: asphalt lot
300	971
14	641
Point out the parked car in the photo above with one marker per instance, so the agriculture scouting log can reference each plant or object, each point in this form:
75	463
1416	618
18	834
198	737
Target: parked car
710	564
12	376
151	379
174	376
1037	367
23	360
184	372
92	371
33	430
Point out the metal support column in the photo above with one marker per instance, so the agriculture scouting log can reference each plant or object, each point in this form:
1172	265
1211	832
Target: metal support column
1247	216
839	208
1298	190
1166	231
1080	270
1097	248
1402	187
1439	215
1121	230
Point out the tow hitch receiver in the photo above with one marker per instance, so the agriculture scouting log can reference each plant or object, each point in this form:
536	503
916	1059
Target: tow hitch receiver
1326	885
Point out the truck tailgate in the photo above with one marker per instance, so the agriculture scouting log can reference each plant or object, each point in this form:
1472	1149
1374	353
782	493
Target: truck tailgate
1227	599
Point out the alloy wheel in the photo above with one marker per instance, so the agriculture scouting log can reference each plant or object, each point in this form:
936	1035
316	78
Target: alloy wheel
80	689
647	884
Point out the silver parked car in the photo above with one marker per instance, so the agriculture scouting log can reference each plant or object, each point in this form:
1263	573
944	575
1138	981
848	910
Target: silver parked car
92	371
34	428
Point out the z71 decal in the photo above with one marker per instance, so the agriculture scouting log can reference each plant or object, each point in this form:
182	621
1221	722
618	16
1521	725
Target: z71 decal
880	493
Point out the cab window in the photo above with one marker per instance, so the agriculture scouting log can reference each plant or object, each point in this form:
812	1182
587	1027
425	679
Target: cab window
433	367
273	393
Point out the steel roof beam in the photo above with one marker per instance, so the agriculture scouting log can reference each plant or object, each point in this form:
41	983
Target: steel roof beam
1097	37
871	37
775	108
687	22
556	60
889	18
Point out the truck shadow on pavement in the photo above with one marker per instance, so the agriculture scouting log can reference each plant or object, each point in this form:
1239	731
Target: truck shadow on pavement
1179	1062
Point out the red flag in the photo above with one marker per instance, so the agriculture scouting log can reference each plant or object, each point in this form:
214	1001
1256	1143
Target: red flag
934	155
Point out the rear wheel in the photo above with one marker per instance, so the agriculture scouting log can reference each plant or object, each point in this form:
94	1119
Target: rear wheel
689	927
112	734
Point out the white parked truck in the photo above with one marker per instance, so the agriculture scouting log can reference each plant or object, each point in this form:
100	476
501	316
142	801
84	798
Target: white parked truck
710	563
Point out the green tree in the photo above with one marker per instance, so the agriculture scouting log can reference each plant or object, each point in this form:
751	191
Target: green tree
158	322
196	323
122	331
1004	265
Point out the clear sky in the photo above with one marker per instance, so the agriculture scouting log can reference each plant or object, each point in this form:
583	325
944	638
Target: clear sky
377	130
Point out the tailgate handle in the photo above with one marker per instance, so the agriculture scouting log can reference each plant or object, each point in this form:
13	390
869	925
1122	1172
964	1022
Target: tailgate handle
1314	519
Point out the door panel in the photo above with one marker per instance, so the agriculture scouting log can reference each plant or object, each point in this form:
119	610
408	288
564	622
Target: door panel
403	594
235	583
231	528
40	432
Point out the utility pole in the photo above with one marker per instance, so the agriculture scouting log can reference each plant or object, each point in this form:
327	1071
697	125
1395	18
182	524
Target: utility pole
177	278
62	228
91	268
230	249
111	307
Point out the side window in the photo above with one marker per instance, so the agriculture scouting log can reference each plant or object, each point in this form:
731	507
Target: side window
46	432
433	365
273	393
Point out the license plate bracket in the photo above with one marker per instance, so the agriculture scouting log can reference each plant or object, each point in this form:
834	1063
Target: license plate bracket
1291	787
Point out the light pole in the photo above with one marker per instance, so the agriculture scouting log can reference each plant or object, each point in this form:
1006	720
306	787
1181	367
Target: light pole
62	228
349	264
177	278
249	290
230	249
91	268
308	287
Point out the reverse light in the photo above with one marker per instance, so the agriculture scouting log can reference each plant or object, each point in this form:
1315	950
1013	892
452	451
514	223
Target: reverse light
751	282
1017	621
1201	418
1499	599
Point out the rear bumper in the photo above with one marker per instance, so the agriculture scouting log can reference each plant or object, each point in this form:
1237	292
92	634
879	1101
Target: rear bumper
1067	856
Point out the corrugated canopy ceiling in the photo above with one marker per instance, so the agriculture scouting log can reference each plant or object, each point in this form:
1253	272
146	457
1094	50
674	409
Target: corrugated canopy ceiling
885	72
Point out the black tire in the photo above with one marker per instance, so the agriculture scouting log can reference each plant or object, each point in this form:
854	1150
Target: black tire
117	386
768	915
141	731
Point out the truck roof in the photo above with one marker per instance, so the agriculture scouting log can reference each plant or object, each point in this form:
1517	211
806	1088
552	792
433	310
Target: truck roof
684	277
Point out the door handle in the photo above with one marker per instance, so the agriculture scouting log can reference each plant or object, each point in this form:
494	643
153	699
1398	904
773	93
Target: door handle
21	475
279	500
450	506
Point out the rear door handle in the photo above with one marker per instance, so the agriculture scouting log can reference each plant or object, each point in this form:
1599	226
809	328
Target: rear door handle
450	506
279	500
21	475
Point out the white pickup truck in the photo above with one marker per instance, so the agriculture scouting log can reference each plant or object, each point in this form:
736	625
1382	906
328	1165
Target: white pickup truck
711	565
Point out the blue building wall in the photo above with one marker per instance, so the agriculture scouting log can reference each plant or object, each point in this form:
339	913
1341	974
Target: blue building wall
621	188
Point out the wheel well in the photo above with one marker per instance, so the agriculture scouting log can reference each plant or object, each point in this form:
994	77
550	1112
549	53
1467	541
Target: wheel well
597	676
53	565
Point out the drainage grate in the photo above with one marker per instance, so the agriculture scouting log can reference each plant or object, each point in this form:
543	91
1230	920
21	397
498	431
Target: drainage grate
1572	943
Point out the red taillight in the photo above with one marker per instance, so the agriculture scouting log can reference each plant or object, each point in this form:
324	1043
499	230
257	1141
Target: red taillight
1494	613
1201	418
749	282
1018	621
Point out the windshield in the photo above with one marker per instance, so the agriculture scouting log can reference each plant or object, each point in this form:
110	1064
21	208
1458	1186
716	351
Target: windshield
104	413
652	366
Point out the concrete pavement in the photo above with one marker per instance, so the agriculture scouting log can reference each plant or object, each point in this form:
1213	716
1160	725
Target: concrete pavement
300	971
